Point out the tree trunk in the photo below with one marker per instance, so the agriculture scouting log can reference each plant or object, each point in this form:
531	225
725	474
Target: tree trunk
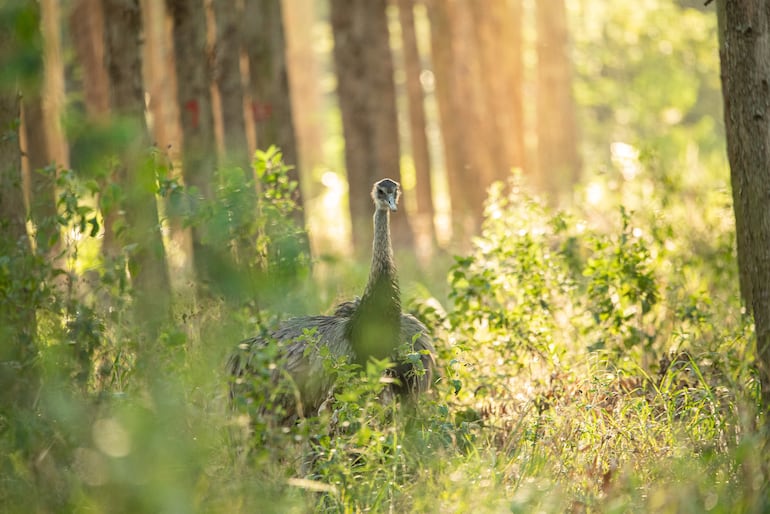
299	19
367	98
43	142
499	42
86	23
271	109
419	139
193	79
227	74
515	82
40	168
466	159
159	82
744	51
17	312
19	275
557	154
134	173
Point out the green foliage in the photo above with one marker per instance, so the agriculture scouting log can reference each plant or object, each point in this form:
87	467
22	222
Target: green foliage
623	55
594	360
589	360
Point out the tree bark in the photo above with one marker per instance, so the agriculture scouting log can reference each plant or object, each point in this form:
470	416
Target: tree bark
193	79
86	23
558	157
157	58
134	173
227	74
40	168
18	324
271	109
302	66
466	158
744	51
498	38
417	125
367	98
44	147
19	275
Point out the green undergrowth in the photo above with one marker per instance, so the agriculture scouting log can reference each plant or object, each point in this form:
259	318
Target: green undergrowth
590	360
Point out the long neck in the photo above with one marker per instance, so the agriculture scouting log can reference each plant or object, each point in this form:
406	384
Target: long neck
375	325
382	251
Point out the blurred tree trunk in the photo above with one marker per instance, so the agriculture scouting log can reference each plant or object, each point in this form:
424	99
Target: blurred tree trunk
19	274
367	99
498	37
299	19
227	74
163	121
135	174
41	169
18	324
193	80
514	79
44	147
271	109
160	85
86	24
558	167
419	139
467	160
744	51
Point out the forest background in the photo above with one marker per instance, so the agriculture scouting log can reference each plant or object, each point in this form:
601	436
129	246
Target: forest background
179	175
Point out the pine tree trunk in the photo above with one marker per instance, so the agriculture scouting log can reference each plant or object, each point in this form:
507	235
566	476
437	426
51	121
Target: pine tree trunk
193	80
302	64
135	175
53	82
744	41
229	80
367	98
160	85
86	26
417	125
558	158
18	324
498	39
43	148
42	176
466	158
271	109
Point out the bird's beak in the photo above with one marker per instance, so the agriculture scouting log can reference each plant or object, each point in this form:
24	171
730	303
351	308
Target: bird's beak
392	203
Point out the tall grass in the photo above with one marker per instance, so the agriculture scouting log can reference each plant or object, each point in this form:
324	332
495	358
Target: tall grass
593	360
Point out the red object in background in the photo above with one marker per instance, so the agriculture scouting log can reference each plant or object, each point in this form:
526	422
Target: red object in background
192	106
261	111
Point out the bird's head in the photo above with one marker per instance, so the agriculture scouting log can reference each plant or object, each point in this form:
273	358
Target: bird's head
385	194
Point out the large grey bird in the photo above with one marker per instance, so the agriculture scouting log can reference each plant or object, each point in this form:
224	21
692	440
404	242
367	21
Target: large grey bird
370	326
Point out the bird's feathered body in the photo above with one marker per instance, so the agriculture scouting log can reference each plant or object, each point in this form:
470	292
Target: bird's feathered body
370	326
299	340
415	338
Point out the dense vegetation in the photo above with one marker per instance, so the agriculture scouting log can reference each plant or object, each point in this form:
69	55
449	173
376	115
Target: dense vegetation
593	359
